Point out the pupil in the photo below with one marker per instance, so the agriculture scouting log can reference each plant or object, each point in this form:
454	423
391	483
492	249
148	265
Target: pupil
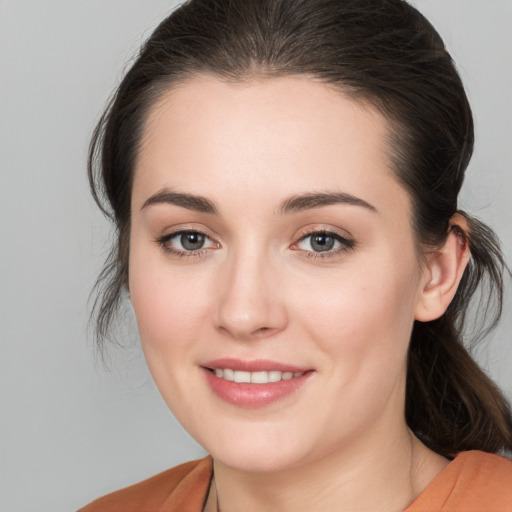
192	241
321	243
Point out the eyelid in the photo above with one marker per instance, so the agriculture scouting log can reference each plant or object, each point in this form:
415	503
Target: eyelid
341	236
192	227
164	239
326	229
180	233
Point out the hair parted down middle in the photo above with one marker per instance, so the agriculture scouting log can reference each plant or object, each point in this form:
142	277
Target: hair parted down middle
383	53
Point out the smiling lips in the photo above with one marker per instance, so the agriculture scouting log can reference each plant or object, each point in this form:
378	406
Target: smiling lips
255	377
253	384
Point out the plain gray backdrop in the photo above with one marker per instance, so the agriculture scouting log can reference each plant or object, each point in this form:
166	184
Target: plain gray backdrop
71	430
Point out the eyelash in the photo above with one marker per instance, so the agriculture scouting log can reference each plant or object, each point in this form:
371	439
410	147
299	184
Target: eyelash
164	240
346	244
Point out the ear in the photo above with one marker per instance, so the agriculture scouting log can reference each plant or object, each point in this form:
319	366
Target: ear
443	271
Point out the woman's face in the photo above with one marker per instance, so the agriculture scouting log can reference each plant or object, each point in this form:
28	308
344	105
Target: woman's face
270	240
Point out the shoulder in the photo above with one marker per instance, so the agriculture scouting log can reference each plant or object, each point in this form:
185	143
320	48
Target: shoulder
182	488
474	481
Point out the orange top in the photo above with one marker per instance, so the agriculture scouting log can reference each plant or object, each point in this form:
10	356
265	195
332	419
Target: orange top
473	482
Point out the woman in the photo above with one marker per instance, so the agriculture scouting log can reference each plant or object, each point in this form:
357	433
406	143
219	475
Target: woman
283	175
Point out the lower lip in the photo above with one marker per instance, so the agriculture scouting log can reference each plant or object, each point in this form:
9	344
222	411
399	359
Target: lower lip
253	395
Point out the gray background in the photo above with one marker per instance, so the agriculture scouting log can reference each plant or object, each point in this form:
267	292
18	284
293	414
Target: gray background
71	430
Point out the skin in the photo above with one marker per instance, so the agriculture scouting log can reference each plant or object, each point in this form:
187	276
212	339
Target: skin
258	290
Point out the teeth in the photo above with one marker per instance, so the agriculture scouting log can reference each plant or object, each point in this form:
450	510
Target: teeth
274	376
259	377
242	376
255	377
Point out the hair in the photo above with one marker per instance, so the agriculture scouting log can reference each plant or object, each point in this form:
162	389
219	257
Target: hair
383	53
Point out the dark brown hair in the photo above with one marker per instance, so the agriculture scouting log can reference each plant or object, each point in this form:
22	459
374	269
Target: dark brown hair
382	52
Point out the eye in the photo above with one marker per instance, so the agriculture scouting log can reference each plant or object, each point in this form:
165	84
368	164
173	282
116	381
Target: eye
323	242
190	241
186	242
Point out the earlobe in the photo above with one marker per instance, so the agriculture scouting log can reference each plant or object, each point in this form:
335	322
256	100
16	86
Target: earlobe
442	273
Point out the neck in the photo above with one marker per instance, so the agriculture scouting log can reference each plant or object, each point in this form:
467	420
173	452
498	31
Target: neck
370	475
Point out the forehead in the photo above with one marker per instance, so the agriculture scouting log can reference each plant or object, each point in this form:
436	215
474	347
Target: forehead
282	107
268	136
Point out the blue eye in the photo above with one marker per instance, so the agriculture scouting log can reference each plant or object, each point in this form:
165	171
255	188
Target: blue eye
324	242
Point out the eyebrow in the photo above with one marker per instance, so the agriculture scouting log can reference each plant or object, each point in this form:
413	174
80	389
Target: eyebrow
317	200
188	201
293	204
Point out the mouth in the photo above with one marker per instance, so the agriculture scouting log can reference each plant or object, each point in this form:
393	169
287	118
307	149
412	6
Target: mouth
253	384
260	377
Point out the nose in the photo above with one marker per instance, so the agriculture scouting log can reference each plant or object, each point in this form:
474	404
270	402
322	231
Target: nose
250	301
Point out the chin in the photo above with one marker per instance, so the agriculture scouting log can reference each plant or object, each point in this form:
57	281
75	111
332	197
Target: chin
268	450
256	459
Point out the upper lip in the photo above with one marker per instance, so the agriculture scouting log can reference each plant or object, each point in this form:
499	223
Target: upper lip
256	365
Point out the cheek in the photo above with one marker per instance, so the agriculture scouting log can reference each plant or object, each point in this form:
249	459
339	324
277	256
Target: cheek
362	325
170	303
171	309
363	315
